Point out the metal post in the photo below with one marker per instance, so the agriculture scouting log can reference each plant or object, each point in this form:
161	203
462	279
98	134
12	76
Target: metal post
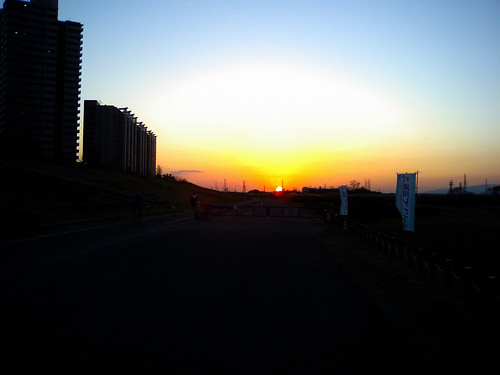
433	266
491	294
393	247
421	260
448	273
467	283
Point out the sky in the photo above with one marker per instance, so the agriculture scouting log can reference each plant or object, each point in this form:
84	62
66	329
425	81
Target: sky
311	93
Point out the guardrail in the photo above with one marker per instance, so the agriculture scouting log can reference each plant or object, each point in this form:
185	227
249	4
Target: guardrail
427	264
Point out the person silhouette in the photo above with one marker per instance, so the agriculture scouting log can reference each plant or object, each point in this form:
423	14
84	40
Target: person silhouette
194	200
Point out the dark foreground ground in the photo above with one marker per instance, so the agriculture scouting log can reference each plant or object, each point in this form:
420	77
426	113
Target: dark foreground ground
235	295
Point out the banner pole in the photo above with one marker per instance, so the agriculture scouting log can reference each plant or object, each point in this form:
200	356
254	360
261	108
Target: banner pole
415	225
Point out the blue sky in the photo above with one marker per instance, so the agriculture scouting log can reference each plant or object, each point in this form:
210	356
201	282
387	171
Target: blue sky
434	66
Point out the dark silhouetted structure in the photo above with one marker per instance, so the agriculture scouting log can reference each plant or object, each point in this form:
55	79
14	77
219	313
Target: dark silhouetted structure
112	137
40	64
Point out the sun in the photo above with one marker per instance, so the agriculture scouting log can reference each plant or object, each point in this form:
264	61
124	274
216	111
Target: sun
279	188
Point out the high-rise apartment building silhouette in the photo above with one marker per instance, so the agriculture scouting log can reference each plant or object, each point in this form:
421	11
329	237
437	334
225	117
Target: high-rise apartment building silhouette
40	64
114	138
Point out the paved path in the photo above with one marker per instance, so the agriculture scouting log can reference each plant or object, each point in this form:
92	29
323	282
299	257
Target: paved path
235	295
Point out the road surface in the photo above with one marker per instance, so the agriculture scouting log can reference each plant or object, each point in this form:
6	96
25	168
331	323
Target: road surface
233	295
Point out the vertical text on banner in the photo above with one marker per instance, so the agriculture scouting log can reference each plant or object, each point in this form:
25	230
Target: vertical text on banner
405	199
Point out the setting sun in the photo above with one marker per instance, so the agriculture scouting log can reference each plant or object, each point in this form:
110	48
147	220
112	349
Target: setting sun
279	188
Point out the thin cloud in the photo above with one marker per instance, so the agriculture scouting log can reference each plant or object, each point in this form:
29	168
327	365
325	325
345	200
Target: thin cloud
186	171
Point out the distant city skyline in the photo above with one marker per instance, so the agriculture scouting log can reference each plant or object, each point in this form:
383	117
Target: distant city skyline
312	93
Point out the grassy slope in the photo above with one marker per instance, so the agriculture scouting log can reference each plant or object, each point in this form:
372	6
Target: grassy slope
37	195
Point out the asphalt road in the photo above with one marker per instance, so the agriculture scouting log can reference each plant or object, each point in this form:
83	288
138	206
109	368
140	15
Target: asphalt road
234	295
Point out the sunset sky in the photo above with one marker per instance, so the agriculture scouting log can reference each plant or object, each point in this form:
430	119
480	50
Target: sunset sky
313	93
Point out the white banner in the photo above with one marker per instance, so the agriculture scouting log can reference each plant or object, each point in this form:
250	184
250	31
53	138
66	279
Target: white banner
405	199
343	200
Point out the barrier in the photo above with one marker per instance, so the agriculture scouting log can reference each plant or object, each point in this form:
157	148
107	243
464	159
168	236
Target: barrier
269	211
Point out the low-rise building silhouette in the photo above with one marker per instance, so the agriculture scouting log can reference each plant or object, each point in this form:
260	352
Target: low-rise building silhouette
113	138
40	64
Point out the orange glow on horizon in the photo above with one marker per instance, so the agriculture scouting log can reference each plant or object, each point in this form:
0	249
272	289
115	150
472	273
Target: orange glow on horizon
346	131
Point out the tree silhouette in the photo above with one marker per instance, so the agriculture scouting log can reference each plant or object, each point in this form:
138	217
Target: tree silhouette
354	185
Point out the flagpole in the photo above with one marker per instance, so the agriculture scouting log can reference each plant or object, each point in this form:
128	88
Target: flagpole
415	225
416	189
